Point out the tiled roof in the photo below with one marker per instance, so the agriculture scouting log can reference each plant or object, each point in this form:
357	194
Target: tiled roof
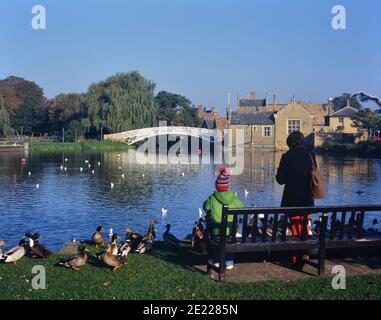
347	112
222	123
252	118
252	103
208	124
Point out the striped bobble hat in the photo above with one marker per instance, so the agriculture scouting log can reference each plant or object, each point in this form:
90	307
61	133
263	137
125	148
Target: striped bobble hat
222	181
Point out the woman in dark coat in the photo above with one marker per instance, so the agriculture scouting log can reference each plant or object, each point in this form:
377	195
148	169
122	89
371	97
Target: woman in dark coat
295	173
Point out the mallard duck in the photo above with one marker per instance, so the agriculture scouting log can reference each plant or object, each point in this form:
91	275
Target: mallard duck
2	244
98	238
147	241
151	232
125	249
134	238
144	246
169	238
111	260
198	241
16	253
35	248
76	261
114	244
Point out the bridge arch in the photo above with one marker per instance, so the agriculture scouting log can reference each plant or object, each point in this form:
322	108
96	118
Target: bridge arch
134	136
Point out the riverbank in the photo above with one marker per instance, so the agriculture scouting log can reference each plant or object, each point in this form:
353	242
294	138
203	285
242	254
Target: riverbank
166	274
364	149
88	145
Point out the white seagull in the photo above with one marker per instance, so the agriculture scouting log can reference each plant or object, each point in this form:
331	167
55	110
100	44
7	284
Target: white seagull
164	211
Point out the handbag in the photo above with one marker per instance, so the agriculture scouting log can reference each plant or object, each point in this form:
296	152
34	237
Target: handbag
317	182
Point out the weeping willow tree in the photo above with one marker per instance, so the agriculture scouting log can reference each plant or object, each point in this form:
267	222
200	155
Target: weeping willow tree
5	123
122	102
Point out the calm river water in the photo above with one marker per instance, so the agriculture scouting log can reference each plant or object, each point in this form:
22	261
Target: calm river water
70	204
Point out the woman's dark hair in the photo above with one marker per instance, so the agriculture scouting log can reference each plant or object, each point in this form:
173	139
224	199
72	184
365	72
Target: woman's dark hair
295	140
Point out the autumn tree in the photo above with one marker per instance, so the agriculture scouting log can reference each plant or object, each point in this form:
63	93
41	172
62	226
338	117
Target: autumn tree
26	104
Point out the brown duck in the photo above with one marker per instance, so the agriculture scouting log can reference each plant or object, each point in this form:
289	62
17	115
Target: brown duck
76	261
98	238
110	259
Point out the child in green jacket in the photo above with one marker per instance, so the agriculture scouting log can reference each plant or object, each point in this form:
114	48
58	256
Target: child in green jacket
213	208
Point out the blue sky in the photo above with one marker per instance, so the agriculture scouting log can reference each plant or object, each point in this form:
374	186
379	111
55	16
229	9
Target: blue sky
199	48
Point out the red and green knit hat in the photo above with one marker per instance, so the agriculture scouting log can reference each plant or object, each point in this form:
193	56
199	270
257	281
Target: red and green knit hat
222	181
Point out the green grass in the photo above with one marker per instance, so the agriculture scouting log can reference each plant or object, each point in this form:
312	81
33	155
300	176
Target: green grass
88	145
165	274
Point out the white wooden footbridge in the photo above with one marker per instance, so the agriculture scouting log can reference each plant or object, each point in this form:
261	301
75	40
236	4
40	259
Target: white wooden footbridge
134	136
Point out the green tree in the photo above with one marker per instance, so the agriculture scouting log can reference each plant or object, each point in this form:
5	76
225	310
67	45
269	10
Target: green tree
121	102
65	108
176	110
25	103
5	123
367	120
341	102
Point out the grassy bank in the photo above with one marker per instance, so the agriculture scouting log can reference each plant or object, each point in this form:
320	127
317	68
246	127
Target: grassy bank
88	145
364	149
165	274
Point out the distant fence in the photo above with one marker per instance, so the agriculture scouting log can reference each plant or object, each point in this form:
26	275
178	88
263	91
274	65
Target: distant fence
21	139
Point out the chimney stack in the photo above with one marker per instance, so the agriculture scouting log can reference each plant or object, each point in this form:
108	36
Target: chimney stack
252	95
274	103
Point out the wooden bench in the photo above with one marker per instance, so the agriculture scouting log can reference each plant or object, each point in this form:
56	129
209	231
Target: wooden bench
266	230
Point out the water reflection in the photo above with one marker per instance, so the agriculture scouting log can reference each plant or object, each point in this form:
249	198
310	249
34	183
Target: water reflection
72	203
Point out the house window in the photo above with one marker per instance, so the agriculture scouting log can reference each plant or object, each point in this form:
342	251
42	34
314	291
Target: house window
341	122
294	125
254	128
266	131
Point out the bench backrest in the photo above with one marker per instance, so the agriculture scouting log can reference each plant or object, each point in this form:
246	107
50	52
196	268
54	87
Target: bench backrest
270	224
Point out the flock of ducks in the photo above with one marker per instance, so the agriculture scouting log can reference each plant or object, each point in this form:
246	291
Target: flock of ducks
112	254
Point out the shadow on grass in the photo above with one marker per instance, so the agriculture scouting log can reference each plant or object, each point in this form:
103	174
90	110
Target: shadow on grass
182	255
